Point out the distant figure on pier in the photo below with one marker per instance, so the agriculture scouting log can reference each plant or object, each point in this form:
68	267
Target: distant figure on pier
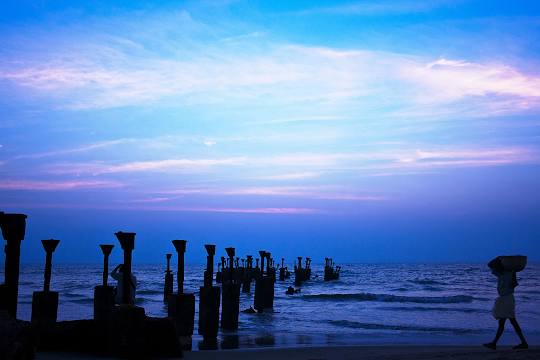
117	275
505	305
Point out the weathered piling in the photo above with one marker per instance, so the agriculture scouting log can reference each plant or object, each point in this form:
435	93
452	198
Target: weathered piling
230	295
302	274
209	299
127	324
13	230
127	242
45	303
104	294
248	275
269	284
331	272
169	279
264	285
181	305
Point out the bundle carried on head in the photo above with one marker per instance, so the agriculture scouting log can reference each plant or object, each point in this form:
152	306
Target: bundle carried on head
509	263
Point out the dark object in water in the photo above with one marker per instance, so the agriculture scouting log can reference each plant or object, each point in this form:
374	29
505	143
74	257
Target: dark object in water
302	274
292	291
251	310
331	272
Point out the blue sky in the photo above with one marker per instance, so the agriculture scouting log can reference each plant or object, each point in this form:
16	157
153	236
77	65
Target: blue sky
363	130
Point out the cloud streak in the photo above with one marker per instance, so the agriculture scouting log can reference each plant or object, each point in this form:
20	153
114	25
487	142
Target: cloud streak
29	185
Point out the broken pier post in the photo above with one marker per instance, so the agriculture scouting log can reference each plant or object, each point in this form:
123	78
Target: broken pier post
104	294
261	286
13	230
181	305
169	279
248	275
230	295
209	300
127	325
45	303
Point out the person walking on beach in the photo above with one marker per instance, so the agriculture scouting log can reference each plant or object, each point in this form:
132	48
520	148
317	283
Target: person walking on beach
505	305
118	275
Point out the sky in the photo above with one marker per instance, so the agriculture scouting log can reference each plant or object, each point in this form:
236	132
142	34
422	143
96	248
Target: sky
367	131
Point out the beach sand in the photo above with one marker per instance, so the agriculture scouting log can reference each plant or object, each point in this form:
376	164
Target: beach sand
347	353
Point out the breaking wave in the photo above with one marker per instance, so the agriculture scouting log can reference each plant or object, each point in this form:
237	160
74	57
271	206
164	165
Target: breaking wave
391	298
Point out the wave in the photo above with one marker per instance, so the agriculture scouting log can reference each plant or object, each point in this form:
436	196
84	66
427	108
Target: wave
426	282
150	292
391	298
425	308
372	326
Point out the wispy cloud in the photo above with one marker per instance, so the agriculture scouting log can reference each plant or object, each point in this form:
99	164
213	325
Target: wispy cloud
233	210
57	185
291	176
370	8
166	165
277	74
308	192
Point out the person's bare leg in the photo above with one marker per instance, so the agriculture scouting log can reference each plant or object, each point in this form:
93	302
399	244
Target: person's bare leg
500	329
516	326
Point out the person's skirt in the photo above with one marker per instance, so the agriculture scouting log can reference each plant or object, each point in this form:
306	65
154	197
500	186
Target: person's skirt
505	307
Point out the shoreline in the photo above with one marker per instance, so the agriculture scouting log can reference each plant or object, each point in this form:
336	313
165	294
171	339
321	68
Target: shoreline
377	352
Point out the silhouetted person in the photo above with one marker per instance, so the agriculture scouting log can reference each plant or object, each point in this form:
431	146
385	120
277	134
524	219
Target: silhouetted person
117	275
505	304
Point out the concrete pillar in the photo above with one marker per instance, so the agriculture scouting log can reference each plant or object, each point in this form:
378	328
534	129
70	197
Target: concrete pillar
181	305
45	303
104	294
209	299
230	296
248	275
13	230
169	279
127	242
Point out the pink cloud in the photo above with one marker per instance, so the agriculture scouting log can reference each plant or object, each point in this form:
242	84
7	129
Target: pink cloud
56	185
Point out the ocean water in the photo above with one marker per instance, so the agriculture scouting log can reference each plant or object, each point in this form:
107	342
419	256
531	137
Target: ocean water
369	304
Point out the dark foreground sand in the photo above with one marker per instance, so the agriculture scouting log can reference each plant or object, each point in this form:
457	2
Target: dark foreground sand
348	353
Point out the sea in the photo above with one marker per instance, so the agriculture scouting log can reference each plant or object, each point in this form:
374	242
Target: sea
371	304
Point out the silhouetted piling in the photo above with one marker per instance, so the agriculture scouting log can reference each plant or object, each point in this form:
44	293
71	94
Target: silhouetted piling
45	303
248	275
127	242
181	305
104	294
264	285
331	272
169	279
230	295
13	230
209	299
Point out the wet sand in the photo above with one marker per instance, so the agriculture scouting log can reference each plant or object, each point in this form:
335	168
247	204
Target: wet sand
347	353
368	352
